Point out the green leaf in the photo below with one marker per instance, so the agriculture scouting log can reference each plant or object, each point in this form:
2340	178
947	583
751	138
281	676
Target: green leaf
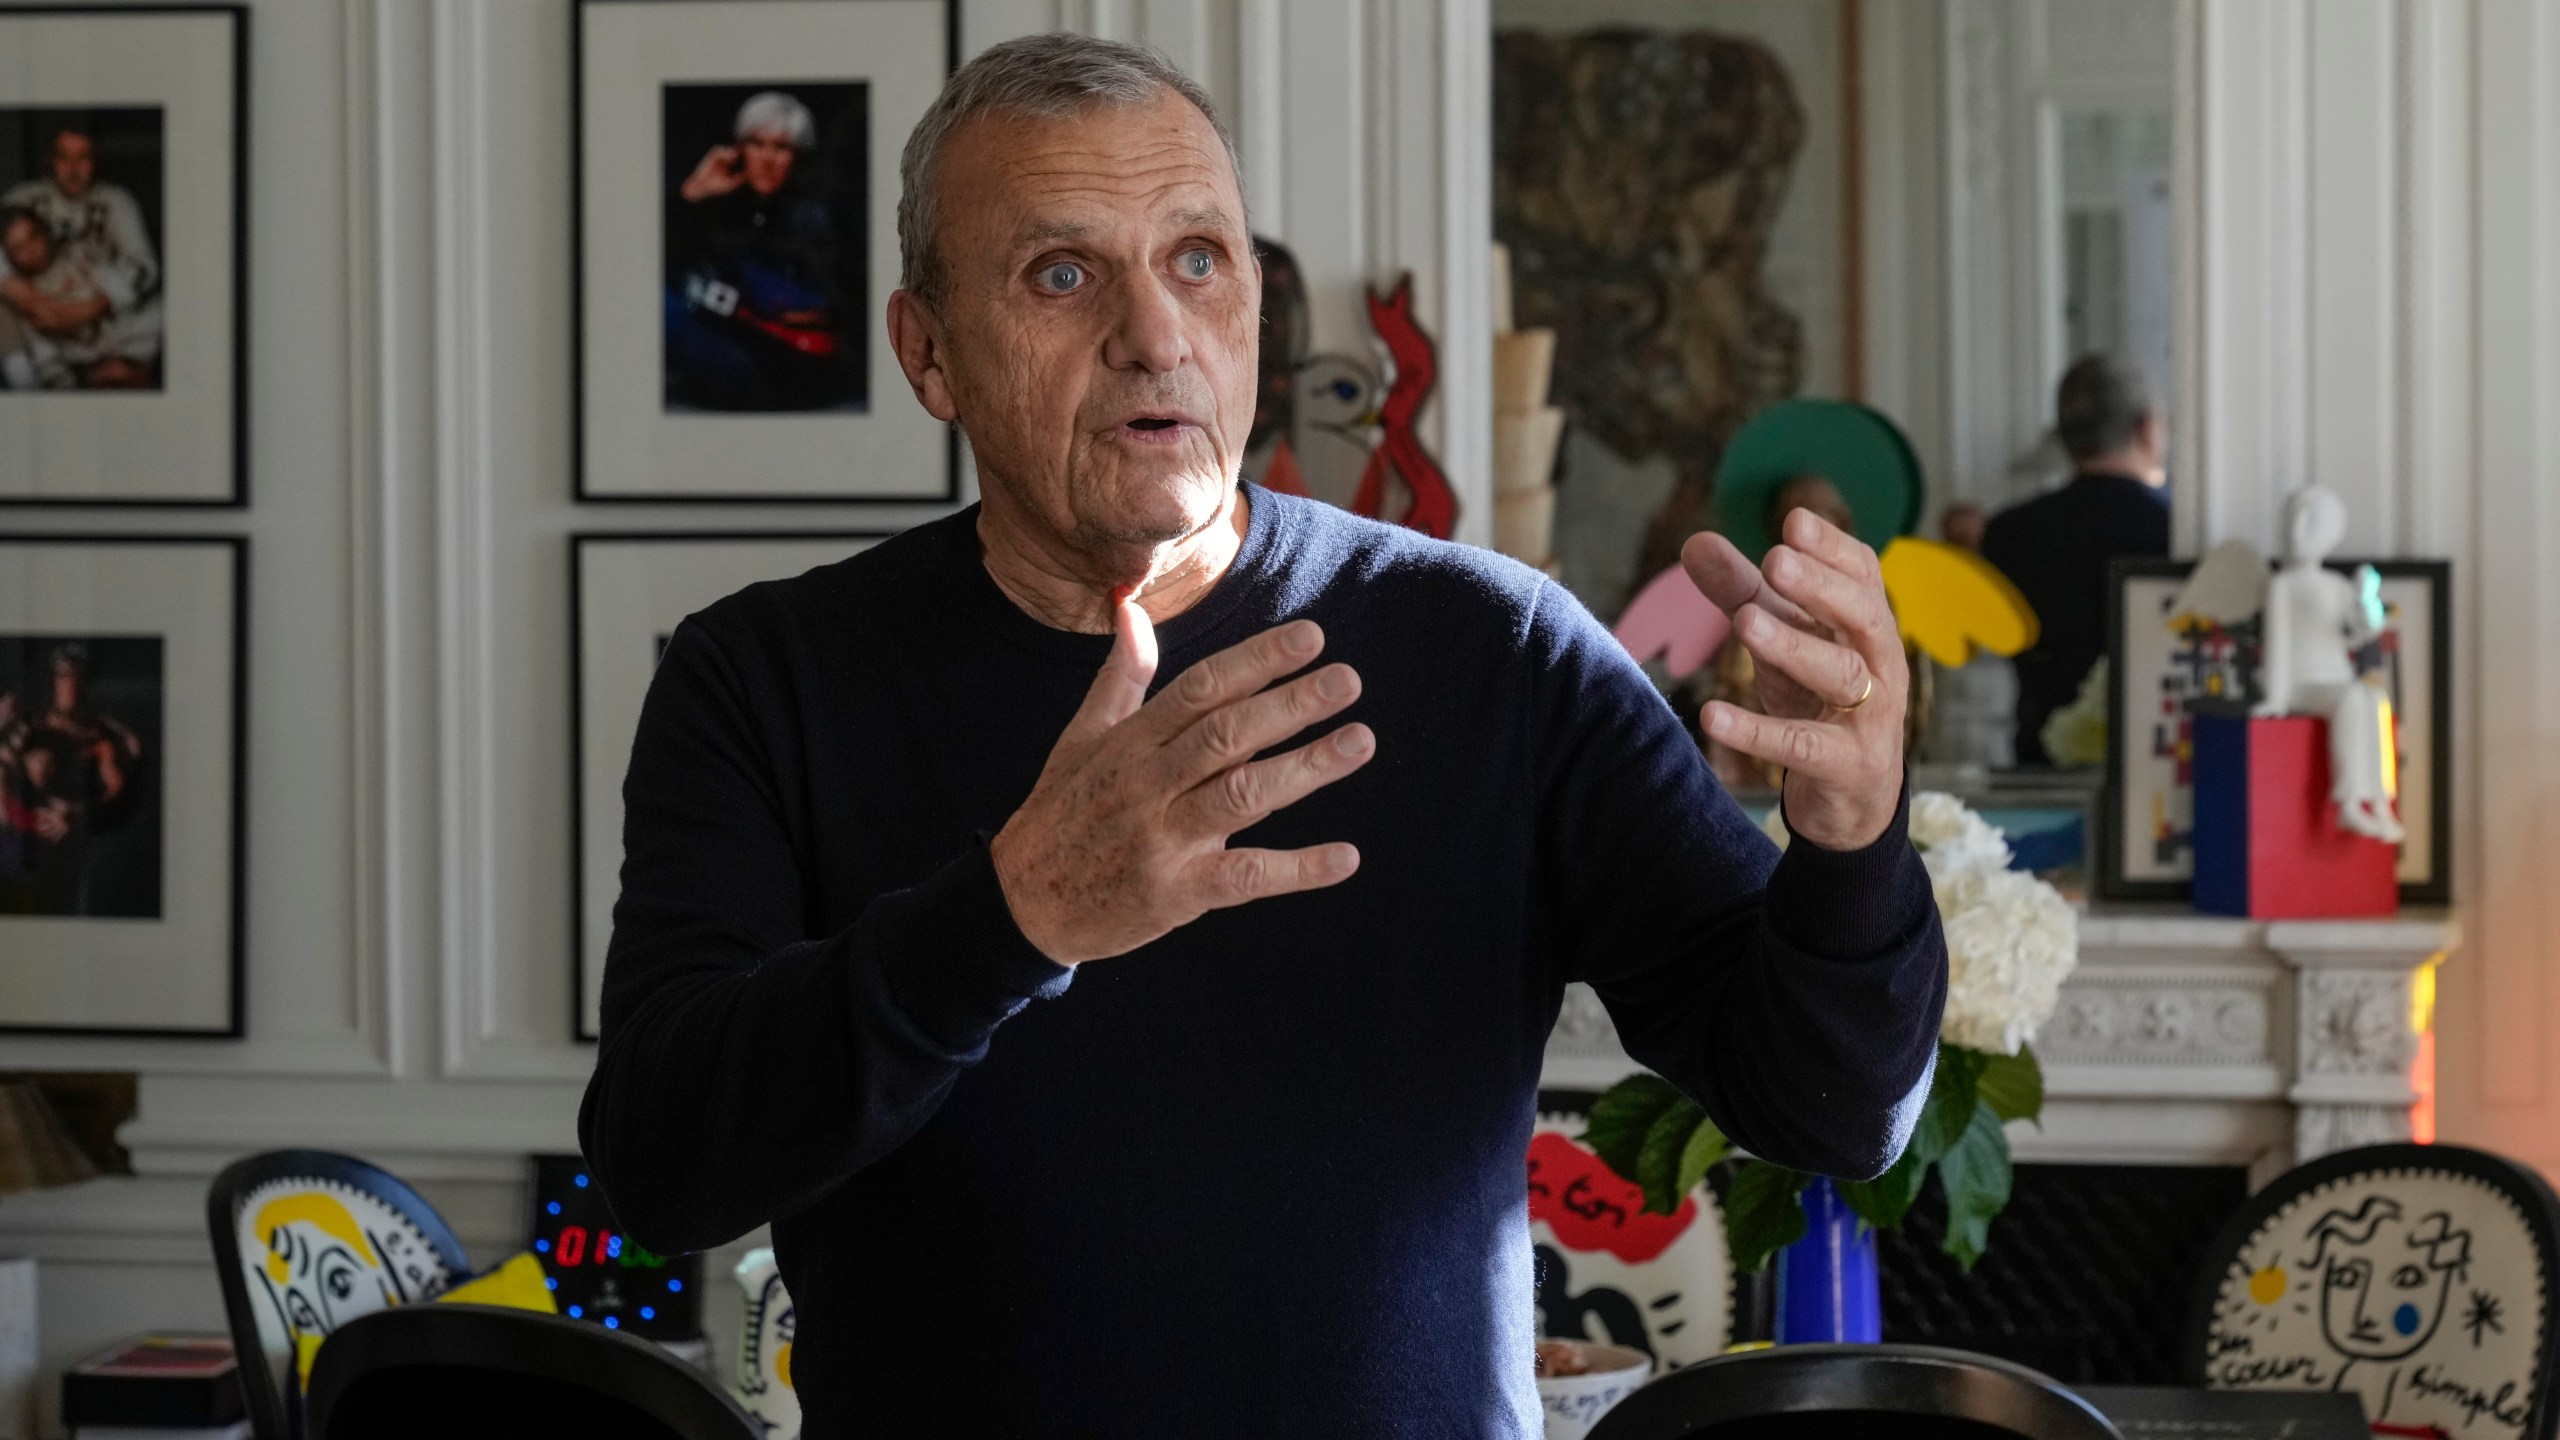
1976	1177
1953	1093
1658	1163
1883	1201
1620	1118
1706	1146
2013	1085
1761	1213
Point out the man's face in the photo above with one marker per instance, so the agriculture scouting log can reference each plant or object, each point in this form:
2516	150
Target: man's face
75	162
29	247
66	685
1100	316
767	155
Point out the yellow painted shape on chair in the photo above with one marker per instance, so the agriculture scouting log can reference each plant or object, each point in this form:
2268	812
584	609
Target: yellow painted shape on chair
518	1284
1950	601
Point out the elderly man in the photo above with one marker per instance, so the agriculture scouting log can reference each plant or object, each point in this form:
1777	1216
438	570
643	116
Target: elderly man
1116	1058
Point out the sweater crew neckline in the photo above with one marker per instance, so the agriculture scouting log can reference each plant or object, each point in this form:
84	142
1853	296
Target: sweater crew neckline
1250	572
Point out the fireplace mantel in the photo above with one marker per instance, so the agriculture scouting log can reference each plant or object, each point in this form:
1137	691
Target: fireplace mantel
2194	1039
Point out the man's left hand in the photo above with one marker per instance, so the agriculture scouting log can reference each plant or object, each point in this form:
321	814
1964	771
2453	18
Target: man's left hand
1832	676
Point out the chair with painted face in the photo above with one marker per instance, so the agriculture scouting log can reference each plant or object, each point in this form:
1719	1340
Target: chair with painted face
305	1241
2423	1278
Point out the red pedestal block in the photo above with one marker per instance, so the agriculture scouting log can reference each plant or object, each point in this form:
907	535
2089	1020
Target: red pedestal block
2267	841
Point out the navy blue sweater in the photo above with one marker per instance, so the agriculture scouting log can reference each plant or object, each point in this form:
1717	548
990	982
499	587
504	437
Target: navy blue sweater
1264	1176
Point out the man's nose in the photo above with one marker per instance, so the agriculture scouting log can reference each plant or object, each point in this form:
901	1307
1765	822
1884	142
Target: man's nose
1147	332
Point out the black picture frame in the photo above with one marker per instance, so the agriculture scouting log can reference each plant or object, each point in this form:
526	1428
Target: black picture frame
586	956
584	489
237	225
2436	886
234	929
2517	1185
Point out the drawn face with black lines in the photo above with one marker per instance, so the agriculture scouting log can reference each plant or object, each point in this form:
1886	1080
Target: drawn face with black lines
2384	1281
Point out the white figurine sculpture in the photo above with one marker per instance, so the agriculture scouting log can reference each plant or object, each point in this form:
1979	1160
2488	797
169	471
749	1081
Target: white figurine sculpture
2315	619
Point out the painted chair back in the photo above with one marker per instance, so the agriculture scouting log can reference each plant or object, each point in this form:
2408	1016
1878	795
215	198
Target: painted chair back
305	1241
2419	1277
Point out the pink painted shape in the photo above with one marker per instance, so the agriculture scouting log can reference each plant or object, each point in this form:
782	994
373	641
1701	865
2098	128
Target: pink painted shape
1669	618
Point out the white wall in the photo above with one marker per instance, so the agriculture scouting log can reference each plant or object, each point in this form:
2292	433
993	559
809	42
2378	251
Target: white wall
2375	245
408	885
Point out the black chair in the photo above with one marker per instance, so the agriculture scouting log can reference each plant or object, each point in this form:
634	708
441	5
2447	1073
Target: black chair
438	1371
305	1241
1854	1392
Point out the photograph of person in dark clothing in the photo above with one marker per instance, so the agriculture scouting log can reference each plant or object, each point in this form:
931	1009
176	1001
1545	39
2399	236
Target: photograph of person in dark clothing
766	243
79	816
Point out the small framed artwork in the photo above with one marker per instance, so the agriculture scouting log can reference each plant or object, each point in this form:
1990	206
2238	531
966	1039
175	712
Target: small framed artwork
121	737
627	595
2164	670
123	374
737	197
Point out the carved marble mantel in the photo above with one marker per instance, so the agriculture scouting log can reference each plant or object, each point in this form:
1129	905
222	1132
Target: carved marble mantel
2186	1038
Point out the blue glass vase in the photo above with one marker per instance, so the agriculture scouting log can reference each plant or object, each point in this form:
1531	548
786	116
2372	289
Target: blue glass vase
1827	1280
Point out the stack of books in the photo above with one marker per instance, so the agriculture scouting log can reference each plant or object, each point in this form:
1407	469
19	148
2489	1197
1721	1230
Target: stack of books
157	1387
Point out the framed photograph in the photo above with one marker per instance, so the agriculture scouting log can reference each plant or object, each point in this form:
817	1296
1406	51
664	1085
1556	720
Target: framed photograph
123	353
2160	678
121	742
627	595
737	199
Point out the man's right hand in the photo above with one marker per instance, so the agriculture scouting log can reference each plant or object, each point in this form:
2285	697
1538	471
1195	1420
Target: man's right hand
1124	838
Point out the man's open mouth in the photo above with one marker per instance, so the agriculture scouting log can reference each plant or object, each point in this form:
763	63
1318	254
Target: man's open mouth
1153	422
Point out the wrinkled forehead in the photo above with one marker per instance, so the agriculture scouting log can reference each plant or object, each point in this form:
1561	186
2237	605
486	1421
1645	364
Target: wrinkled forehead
1023	181
70	143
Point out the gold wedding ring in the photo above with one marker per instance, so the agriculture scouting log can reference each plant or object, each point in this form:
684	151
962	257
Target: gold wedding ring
1862	696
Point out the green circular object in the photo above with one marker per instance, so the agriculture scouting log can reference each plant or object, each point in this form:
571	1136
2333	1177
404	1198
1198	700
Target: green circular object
1854	447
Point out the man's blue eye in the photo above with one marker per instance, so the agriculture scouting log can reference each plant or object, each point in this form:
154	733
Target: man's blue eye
1198	264
1062	276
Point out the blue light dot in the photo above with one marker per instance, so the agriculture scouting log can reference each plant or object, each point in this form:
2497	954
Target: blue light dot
2405	1319
580	1182
648	1312
612	1324
576	1311
550	1283
544	1246
675	1285
553	1207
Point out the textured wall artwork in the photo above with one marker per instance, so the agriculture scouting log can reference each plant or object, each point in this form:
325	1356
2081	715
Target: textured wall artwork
1638	178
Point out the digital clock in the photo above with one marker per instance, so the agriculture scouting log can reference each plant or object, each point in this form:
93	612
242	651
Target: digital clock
598	1274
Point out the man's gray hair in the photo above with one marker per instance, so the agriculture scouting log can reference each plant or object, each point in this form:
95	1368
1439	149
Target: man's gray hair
1052	77
780	114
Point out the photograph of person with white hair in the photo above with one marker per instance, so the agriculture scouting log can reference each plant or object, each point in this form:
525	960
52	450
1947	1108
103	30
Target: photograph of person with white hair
766	237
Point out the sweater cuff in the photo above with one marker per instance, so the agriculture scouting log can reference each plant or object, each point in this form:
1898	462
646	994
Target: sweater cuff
953	959
1851	904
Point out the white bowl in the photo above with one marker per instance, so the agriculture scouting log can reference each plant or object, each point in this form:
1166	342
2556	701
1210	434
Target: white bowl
1575	1403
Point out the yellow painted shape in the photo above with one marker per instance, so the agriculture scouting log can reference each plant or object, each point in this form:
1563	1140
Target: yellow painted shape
1951	602
321	1212
782	1364
2268	1285
306	1346
517	1284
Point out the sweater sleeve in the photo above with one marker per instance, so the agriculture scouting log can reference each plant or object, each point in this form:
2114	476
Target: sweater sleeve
1796	997
748	1068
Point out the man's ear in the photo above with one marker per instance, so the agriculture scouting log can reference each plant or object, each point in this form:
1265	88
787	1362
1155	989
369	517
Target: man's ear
915	332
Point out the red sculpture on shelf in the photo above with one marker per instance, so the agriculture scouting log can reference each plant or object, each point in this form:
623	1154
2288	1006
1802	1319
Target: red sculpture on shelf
1433	506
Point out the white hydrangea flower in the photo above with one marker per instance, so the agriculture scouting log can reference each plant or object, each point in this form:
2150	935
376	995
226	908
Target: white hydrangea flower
2011	941
2011	938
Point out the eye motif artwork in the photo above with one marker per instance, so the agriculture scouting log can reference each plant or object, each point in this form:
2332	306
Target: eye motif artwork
1609	1271
2414	1290
321	1253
